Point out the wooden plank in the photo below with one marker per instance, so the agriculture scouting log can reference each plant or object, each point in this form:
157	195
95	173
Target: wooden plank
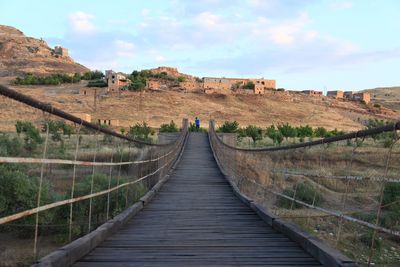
196	220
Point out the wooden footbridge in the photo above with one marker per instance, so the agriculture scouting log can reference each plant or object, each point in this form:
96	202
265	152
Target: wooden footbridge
196	220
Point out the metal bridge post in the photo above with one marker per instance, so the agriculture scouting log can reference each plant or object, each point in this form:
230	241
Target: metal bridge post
73	184
109	186
395	138
39	195
92	181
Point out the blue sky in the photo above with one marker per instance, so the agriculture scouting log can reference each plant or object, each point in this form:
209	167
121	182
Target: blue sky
303	44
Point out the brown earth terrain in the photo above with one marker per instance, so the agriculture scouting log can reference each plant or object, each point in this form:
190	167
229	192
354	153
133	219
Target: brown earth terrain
20	54
386	96
158	107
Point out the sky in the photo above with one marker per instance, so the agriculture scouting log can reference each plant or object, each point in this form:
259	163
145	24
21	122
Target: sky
303	44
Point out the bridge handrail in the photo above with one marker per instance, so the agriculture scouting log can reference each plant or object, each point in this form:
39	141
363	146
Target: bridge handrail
151	162
270	177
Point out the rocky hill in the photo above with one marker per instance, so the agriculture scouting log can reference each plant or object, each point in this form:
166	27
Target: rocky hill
20	54
387	96
173	72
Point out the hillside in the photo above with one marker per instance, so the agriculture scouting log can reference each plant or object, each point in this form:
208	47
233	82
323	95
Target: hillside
162	106
387	96
20	54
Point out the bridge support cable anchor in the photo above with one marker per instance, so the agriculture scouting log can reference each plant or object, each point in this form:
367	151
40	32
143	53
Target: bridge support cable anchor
39	194
395	138
73	183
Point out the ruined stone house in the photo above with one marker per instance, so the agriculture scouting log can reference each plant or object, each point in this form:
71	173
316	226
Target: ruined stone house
115	81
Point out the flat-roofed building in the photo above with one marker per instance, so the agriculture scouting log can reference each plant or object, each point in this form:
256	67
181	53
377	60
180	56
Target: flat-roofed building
335	94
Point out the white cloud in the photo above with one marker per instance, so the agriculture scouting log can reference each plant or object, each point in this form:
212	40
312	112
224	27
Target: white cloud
208	20
283	33
342	5
156	55
81	22
145	12
124	48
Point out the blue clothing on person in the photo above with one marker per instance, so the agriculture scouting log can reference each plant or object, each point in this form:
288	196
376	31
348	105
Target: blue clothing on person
197	122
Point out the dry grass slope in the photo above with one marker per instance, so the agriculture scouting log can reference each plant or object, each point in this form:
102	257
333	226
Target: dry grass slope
161	107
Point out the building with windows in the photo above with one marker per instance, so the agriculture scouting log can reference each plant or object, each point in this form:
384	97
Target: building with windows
115	81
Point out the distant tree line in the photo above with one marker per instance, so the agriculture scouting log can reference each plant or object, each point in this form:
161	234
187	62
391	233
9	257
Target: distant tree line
58	78
140	78
277	133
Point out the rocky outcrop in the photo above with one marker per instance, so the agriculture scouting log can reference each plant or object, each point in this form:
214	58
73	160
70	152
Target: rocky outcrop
20	54
173	72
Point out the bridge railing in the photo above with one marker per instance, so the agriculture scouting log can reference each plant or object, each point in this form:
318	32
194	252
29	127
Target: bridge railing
61	176
344	190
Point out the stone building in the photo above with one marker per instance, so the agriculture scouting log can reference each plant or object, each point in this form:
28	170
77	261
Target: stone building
363	96
228	84
115	81
190	86
312	92
61	51
335	94
109	122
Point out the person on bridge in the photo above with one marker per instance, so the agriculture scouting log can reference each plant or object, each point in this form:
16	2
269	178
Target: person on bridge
197	122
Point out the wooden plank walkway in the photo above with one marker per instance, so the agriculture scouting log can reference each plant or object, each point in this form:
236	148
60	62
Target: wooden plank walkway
196	220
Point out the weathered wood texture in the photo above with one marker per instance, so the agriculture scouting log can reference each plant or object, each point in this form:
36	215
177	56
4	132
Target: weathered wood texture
195	220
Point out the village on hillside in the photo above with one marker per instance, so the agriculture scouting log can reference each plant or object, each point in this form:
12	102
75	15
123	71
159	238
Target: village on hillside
169	78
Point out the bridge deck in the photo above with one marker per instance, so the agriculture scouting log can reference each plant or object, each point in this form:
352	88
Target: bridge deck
196	220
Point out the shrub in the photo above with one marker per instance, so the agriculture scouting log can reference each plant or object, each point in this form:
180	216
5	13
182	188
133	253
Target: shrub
169	128
93	75
192	128
31	134
366	239
391	197
18	192
97	83
376	105
305	192
11	147
229	127
141	131
249	85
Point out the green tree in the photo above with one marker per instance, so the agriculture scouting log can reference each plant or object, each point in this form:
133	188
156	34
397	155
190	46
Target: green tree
253	132
320	132
229	127
287	131
141	131
274	134
181	79
304	131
